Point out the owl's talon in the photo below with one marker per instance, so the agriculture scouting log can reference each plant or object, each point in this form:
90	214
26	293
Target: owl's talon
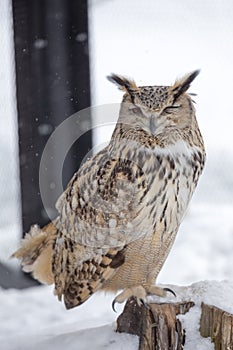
170	291
140	302
113	305
144	303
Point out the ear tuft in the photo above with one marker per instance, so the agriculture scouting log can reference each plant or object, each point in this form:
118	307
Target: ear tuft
123	83
183	84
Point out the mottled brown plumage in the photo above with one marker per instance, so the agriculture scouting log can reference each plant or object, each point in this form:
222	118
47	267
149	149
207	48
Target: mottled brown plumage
120	213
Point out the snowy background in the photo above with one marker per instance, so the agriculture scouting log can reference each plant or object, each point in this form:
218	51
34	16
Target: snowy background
154	42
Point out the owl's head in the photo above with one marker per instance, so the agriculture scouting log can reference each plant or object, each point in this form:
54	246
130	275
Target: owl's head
153	108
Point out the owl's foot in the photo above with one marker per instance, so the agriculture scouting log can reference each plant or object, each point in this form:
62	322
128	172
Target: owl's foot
140	293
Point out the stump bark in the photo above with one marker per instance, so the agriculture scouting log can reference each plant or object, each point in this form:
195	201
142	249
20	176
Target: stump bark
218	325
157	326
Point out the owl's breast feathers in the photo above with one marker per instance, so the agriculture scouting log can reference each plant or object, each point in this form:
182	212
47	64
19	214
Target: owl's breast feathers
119	196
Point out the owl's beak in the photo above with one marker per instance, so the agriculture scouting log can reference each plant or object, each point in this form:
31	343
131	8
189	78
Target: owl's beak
152	125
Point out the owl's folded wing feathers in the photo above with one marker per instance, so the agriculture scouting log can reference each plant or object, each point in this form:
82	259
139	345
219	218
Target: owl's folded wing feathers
95	211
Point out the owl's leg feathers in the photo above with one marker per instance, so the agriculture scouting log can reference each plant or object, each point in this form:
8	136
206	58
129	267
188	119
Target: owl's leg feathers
140	293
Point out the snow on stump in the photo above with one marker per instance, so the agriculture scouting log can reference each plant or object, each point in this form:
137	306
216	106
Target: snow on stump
218	325
157	326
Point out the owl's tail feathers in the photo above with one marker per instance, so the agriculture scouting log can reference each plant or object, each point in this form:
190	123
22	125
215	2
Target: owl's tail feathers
36	252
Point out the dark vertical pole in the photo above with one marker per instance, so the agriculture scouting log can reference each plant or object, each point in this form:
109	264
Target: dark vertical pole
52	77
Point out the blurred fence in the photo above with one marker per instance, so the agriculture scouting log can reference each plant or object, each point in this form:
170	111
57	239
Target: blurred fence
45	74
52	76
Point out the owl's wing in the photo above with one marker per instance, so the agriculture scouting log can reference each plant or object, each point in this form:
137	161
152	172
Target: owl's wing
95	224
77	280
102	201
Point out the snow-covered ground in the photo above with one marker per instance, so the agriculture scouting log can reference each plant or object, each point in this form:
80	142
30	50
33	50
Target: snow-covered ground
35	320
153	42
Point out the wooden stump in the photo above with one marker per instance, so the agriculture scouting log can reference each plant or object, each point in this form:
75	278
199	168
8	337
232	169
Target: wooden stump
218	325
157	326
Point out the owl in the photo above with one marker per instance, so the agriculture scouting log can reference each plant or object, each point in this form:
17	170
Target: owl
120	213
